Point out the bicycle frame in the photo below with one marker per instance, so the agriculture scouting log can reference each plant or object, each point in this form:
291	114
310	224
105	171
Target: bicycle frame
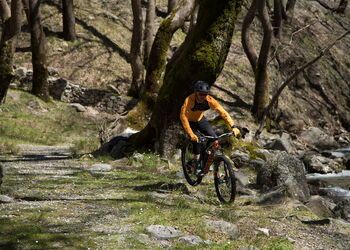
211	150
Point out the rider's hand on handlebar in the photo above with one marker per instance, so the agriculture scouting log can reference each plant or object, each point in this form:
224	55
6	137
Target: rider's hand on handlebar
236	132
194	138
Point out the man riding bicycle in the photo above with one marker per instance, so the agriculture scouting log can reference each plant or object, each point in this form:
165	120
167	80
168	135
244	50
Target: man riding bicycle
193	119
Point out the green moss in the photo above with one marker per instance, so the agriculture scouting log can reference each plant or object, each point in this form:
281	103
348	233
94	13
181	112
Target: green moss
138	117
280	244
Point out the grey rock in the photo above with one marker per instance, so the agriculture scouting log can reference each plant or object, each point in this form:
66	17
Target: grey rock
21	72
284	170
224	227
52	71
275	196
266	153
282	144
343	210
6	199
35	105
101	167
321	207
78	107
264	231
191	239
163	232
319	139
242	178
242	159
320	164
144	238
137	157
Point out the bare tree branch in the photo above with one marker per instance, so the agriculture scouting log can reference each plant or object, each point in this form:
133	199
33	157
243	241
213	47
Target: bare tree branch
290	78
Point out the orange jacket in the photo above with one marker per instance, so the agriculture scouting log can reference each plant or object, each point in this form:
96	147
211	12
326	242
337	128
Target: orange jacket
194	112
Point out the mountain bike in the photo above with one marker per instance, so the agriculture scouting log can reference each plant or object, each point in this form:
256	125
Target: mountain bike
211	154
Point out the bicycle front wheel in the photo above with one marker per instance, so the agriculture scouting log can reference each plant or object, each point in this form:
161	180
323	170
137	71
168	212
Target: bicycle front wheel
189	166
224	179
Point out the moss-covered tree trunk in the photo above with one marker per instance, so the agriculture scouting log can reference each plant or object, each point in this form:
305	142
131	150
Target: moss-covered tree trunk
202	57
6	72
161	43
11	19
38	45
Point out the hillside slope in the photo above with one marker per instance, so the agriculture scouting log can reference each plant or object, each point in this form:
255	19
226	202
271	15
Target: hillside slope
320	96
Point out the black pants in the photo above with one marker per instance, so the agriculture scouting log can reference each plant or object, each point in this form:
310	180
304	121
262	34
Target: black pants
205	128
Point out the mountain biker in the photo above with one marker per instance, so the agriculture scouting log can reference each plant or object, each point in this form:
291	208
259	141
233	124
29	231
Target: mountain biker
193	119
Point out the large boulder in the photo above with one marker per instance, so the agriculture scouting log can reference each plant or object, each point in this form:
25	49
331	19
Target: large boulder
284	172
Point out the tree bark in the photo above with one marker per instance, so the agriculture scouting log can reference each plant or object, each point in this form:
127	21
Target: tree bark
161	43
247	44
11	19
68	20
149	30
194	16
171	5
38	44
202	57
277	18
290	7
259	64
136	49
261	94
342	6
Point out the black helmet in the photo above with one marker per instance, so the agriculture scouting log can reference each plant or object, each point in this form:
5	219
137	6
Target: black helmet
201	86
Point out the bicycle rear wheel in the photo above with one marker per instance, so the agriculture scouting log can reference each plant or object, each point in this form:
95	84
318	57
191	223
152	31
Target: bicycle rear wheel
189	166
224	179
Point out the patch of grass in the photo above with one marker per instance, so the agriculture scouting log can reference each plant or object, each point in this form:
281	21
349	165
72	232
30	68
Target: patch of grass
84	146
8	147
148	162
279	244
25	119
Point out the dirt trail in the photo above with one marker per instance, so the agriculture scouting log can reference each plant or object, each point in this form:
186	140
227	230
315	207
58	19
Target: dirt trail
61	202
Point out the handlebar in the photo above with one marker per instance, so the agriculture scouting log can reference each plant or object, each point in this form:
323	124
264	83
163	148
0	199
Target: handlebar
244	131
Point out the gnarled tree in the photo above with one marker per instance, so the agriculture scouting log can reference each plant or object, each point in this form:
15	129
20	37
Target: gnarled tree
258	63
11	26
161	43
202	56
